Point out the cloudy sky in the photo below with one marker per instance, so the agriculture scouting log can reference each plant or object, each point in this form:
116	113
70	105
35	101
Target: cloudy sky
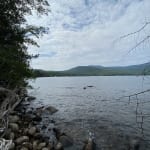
87	32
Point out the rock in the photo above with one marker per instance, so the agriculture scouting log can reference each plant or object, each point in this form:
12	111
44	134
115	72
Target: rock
14	127
59	146
43	127
31	98
90	86
12	147
25	131
38	135
51	109
90	145
45	148
37	118
12	136
24	148
66	141
35	145
84	88
32	131
50	146
41	145
22	139
13	118
7	133
27	145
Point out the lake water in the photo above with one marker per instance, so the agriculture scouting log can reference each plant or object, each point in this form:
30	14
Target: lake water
101	108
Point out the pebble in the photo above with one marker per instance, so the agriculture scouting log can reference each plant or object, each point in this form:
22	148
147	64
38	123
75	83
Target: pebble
45	148
24	148
66	141
22	139
32	131
59	146
41	145
13	118
14	127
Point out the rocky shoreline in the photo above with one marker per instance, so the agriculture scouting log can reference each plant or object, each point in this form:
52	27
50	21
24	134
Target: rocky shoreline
25	129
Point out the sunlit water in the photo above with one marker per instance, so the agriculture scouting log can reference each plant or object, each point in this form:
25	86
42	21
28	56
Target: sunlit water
102	109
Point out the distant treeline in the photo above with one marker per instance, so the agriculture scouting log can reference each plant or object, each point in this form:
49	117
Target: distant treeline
142	69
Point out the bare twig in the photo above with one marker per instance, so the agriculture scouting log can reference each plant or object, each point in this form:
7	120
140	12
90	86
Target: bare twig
135	94
139	30
139	43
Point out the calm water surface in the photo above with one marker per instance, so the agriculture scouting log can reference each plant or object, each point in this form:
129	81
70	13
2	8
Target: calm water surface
114	120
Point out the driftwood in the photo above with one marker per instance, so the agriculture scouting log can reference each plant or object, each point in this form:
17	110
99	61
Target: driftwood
9	99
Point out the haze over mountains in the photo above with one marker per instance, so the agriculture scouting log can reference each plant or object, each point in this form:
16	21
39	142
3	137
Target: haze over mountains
96	70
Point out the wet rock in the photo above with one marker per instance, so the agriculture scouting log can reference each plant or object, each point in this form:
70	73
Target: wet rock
134	144
14	127
45	148
35	145
89	145
22	139
41	145
13	118
32	131
39	110
43	127
24	148
12	146
31	98
66	141
51	109
50	146
27	145
12	136
37	118
7	133
84	88
59	146
38	135
25	131
90	86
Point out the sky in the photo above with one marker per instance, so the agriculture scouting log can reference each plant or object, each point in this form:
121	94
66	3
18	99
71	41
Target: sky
88	32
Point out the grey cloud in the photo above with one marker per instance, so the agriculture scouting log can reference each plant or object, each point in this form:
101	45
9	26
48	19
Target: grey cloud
83	33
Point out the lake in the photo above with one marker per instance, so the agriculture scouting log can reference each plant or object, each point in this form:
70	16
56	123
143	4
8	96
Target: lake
98	105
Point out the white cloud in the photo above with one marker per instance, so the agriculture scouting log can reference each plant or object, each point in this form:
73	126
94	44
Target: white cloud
82	32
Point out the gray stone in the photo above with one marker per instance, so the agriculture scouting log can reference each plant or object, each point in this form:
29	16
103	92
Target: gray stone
35	145
51	109
12	136
59	146
22	139
41	145
13	118
32	131
31	98
27	145
24	148
66	141
12	147
90	145
45	148
14	127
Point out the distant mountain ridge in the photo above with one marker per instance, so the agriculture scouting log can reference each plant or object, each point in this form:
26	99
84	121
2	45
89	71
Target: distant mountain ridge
96	70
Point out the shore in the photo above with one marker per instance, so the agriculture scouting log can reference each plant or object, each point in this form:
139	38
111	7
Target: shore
25	129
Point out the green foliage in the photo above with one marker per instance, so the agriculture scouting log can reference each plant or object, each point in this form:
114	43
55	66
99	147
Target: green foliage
15	37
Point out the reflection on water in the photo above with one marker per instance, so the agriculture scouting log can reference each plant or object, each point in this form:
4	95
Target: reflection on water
102	108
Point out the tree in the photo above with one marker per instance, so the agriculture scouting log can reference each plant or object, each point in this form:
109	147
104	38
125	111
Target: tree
15	37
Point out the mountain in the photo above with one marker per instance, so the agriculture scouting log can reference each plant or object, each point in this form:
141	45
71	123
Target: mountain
95	70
